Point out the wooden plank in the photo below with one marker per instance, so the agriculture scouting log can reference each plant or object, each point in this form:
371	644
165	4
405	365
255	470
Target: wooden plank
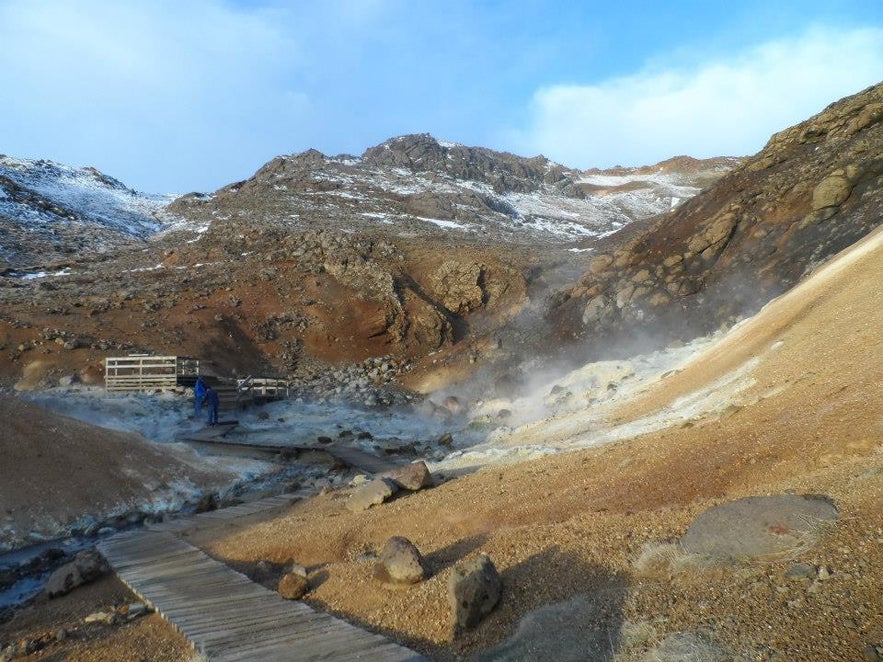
228	617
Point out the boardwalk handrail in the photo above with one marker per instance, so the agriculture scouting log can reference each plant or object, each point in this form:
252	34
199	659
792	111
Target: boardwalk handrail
147	373
262	388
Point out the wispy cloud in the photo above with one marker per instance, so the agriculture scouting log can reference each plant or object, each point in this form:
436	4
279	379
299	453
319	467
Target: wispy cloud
727	105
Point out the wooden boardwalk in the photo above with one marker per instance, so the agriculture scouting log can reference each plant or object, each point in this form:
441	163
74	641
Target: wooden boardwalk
230	513
226	616
353	457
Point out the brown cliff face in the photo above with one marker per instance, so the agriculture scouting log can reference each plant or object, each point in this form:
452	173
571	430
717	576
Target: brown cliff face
814	189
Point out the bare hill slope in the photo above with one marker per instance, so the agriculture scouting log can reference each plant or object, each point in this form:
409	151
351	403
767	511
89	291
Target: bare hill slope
59	474
812	191
806	418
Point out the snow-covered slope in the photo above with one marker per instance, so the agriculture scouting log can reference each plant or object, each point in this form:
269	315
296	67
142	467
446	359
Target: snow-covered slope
50	211
416	185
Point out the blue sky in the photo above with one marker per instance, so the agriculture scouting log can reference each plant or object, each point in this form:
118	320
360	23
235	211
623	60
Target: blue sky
173	96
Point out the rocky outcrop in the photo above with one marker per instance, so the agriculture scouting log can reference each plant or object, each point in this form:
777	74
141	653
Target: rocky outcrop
813	190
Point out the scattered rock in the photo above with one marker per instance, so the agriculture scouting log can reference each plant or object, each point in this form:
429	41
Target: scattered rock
293	586
371	494
296	569
400	562
105	617
413	477
474	589
207	503
86	567
801	571
136	609
756	527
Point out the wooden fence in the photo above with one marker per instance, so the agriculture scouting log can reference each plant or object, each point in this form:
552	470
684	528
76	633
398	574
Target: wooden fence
144	373
262	389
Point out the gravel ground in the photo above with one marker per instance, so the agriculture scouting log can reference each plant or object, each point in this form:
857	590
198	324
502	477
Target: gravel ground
599	527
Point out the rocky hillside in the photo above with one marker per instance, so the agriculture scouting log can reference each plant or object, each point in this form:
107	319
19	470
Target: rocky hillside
814	189
417	185
52	213
417	247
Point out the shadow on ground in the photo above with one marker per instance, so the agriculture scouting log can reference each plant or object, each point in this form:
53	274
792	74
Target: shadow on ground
559	608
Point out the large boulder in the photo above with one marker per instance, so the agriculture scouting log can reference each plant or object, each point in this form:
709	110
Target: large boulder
759	526
371	494
412	477
86	567
400	562
474	589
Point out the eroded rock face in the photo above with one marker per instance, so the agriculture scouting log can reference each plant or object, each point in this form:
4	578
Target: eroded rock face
812	191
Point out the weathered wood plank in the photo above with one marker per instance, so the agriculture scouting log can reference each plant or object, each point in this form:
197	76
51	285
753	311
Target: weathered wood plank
228	617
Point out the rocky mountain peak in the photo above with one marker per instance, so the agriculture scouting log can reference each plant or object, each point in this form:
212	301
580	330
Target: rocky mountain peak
416	185
503	171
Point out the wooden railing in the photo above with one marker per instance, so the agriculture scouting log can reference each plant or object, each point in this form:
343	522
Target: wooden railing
145	373
262	388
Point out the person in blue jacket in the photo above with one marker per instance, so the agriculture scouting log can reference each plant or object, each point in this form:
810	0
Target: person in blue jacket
211	399
199	396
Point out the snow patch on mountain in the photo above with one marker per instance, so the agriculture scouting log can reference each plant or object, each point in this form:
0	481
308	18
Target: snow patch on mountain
43	192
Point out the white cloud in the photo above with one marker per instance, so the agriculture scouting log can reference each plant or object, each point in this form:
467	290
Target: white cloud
142	89
727	106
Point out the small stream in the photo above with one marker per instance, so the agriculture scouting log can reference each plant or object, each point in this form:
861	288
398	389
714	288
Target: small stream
29	567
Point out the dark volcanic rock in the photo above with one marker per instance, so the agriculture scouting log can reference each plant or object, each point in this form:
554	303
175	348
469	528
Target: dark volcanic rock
86	567
474	589
412	477
400	562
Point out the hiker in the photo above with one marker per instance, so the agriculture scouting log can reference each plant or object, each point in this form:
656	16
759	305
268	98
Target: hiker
211	399
198	395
